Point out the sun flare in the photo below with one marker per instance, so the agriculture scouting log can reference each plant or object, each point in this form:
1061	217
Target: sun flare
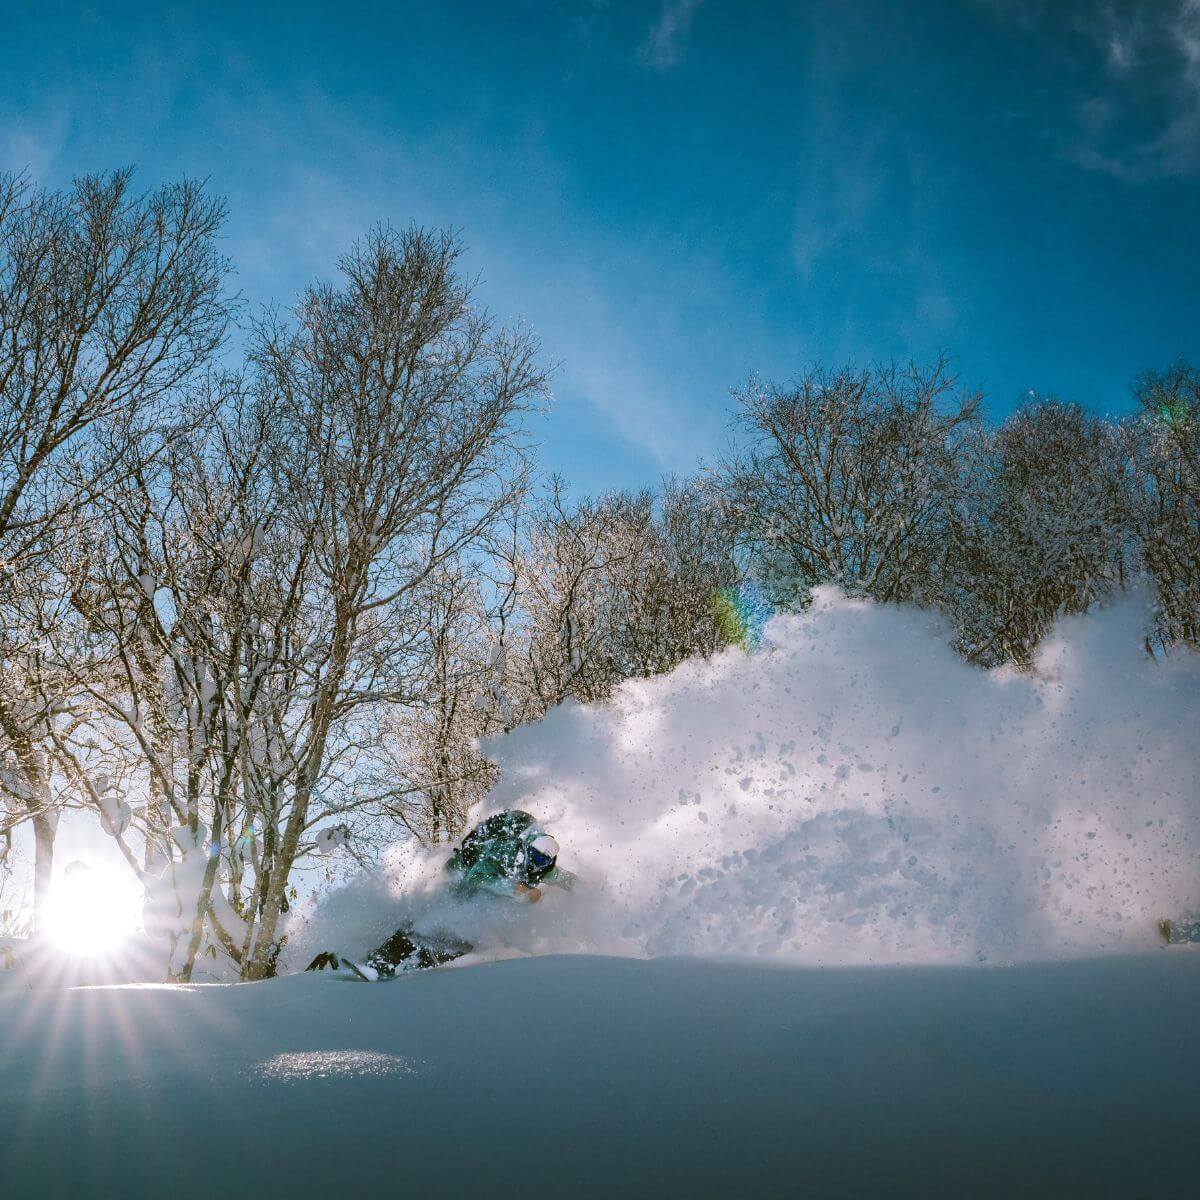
92	909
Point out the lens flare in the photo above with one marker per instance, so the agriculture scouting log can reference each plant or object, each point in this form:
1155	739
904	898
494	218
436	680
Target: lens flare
92	909
1174	409
741	612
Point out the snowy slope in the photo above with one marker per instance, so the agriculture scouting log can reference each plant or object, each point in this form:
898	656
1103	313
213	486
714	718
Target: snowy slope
611	1077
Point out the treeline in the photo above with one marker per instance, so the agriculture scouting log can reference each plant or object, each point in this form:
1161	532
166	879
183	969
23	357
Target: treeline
257	609
888	483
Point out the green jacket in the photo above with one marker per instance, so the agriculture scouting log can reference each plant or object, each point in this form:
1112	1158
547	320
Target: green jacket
493	857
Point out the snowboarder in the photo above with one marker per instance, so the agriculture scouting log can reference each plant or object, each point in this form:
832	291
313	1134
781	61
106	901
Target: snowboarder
509	855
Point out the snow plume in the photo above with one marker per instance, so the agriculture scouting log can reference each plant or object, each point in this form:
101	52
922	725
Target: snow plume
856	793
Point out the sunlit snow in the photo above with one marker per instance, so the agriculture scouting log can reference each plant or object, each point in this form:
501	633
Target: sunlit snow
852	793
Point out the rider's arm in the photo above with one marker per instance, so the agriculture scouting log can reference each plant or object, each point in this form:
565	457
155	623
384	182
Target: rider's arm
492	872
485	881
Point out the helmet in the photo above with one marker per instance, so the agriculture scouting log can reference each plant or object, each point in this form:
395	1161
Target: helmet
543	850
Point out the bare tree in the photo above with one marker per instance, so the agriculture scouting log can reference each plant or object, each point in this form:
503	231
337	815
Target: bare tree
673	610
1166	451
109	303
610	588
14	910
848	477
279	583
564	565
432	771
36	706
1042	530
193	579
401	405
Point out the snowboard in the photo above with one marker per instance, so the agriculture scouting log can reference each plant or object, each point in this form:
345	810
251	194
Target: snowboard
1179	933
407	950
404	952
360	972
336	962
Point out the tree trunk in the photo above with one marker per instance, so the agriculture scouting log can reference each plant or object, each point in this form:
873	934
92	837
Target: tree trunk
204	900
261	964
45	826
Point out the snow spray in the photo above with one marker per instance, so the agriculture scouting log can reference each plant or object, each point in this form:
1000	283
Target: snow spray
856	793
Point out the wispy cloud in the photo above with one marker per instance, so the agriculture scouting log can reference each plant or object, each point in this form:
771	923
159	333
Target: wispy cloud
843	187
1121	36
1142	121
664	41
868	197
1153	47
33	142
605	307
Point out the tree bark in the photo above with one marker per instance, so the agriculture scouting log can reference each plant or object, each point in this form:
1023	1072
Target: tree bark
45	826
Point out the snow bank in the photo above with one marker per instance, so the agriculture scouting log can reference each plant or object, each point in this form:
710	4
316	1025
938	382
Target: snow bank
856	793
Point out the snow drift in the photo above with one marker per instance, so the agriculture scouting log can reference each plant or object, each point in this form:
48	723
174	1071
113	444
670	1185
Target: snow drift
852	793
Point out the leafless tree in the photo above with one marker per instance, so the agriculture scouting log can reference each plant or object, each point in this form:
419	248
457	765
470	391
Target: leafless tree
1166	452
188	592
674	613
14	911
110	302
278	584
564	567
1041	530
433	771
401	404
611	588
848	477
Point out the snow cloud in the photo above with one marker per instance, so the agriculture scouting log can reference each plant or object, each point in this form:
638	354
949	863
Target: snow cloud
852	793
856	793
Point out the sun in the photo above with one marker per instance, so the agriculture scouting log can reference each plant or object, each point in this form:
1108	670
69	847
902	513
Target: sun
92	909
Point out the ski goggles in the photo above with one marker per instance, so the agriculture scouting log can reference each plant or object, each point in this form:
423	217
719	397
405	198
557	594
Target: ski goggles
540	861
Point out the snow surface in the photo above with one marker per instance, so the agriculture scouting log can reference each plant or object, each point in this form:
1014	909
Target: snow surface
603	1077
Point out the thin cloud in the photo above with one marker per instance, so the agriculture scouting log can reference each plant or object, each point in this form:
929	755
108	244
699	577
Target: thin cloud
1151	57
844	187
664	42
32	144
1165	42
624	349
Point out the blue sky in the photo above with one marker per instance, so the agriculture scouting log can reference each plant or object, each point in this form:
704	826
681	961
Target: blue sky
675	193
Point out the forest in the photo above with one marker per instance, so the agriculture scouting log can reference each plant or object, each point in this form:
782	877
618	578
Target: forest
270	579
